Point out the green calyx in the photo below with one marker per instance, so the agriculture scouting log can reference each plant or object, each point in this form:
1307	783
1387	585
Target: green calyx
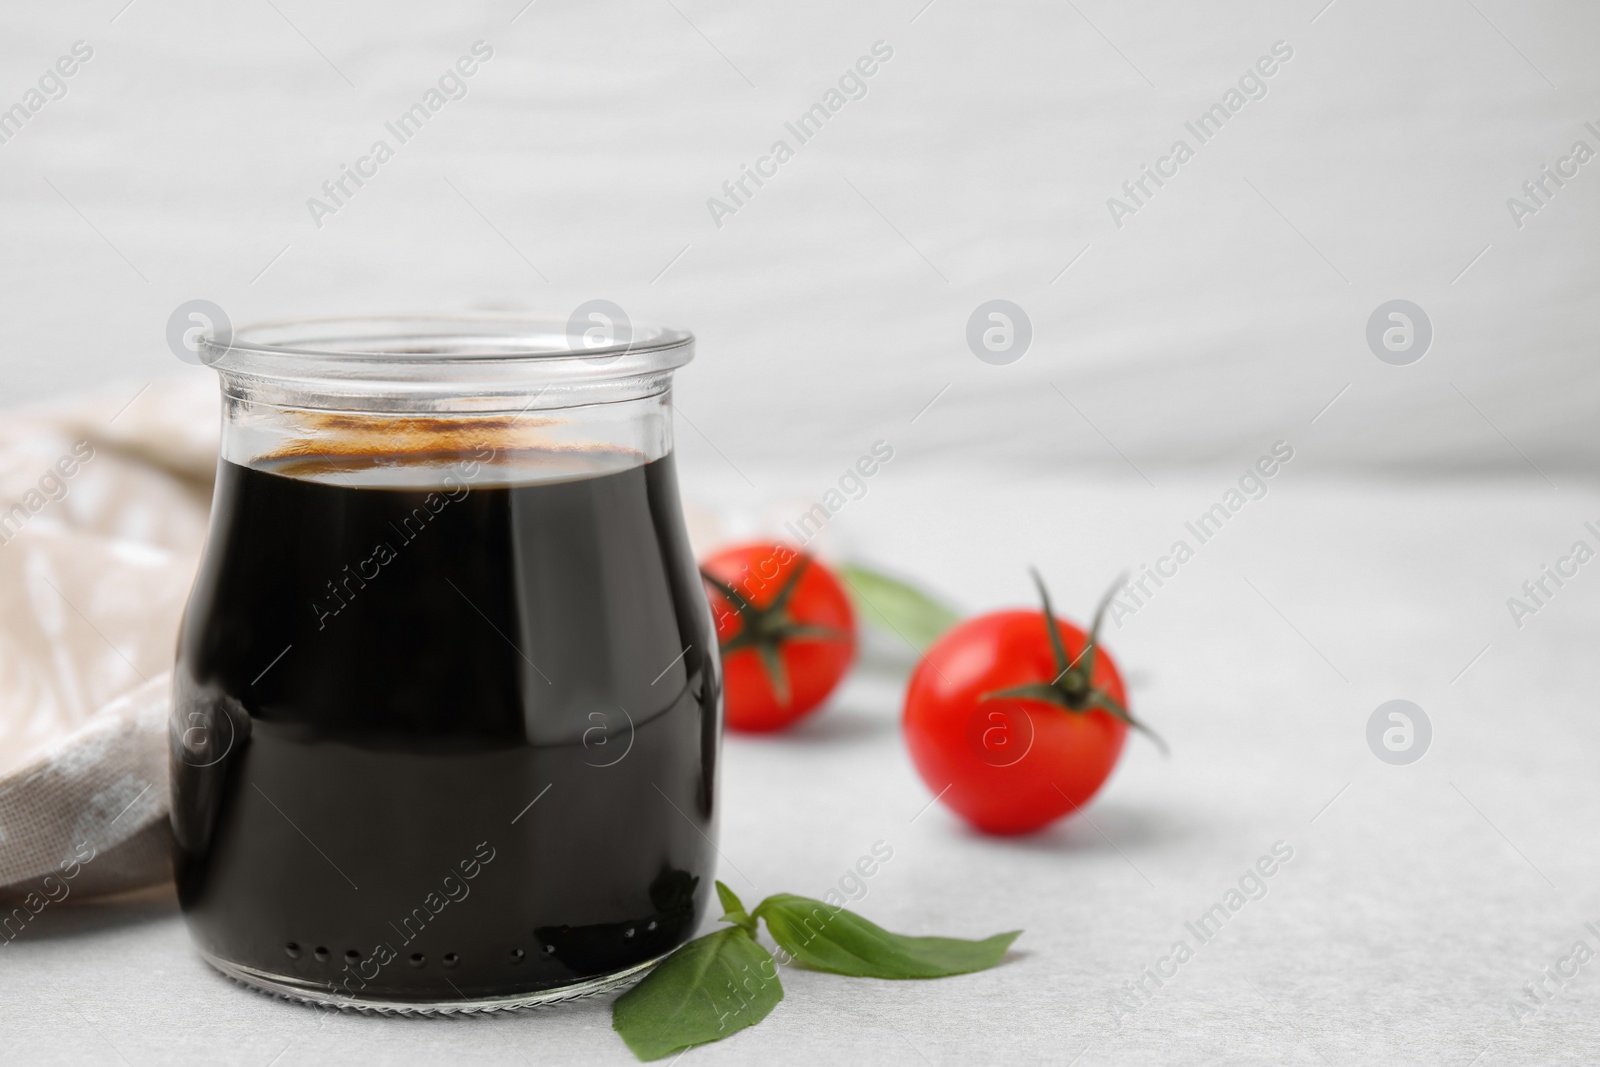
1073	688
767	629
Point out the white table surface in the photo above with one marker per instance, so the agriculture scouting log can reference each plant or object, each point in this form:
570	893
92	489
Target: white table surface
1416	905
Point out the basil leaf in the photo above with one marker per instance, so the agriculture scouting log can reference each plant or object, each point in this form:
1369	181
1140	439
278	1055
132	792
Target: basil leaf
897	606
710	988
833	939
733	909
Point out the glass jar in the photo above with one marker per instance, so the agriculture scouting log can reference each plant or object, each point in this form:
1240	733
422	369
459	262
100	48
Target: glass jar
447	702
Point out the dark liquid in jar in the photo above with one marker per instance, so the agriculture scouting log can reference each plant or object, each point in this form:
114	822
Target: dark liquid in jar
441	743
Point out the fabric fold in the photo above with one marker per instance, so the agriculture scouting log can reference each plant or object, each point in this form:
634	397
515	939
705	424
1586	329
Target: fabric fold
104	501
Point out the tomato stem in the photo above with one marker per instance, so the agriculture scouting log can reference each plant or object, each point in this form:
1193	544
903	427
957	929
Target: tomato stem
766	629
1073	687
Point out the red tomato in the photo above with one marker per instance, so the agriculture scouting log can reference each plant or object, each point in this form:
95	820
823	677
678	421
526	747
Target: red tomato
786	630
1011	729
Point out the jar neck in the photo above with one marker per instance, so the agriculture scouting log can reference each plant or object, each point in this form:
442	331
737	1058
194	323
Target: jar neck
409	447
380	400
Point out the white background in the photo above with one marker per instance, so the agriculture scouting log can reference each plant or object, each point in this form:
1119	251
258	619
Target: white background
1224	316
1230	309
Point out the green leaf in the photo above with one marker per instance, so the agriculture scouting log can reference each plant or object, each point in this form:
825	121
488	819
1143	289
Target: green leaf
733	909
710	988
833	939
730	900
897	606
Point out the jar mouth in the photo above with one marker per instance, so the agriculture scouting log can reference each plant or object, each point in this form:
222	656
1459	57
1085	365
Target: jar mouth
420	339
474	362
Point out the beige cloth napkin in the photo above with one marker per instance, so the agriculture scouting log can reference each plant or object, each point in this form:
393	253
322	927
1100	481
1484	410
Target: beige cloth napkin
103	508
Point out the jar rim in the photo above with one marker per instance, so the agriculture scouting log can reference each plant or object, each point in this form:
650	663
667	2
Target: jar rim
475	362
432	341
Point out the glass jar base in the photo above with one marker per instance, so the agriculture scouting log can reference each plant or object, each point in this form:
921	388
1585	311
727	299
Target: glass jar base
316	996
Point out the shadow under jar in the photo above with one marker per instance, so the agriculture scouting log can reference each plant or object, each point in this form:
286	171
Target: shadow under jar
447	705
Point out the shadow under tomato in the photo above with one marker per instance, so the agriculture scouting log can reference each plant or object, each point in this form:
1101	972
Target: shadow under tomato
1107	827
